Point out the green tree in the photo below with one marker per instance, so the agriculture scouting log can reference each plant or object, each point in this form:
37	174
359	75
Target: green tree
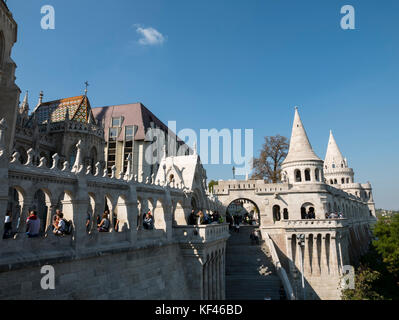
272	155
378	277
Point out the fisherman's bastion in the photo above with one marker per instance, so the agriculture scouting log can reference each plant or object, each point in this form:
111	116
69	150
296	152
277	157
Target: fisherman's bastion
68	155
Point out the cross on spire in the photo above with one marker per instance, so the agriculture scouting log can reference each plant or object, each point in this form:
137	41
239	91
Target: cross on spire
86	86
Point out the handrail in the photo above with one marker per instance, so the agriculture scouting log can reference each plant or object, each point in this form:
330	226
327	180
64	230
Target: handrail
280	270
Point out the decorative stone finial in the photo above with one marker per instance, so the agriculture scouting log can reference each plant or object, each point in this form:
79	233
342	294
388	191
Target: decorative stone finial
43	162
56	159
129	167
88	170
77	166
113	171
65	166
30	153
15	158
105	173
97	169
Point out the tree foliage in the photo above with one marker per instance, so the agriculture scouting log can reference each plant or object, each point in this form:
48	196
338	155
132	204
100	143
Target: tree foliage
272	155
378	277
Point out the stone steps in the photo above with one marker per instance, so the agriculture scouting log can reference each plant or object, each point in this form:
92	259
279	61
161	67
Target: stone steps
250	273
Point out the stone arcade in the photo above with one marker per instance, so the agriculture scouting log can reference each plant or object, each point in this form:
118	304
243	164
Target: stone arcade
310	185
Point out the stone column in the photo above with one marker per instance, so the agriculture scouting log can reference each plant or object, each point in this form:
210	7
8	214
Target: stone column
323	257
315	256
334	265
50	212
307	262
289	253
205	281
25	207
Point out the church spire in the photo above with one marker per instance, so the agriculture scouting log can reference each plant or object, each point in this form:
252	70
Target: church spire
25	104
300	148
333	154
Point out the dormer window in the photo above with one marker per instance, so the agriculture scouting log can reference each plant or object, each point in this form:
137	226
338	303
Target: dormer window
116	122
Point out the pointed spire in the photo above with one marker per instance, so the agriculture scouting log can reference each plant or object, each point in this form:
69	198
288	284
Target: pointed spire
300	147
40	98
24	108
333	154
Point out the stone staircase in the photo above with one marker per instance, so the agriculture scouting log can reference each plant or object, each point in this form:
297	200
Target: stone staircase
250	273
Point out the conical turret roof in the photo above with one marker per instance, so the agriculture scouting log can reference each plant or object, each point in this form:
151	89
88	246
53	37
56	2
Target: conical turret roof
300	147
333	155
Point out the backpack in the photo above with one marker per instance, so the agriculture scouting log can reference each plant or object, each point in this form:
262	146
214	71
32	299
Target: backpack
68	226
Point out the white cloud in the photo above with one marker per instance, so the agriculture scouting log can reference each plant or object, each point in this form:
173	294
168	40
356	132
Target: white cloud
150	36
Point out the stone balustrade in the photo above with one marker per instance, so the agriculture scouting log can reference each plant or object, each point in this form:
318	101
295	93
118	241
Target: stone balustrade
315	223
201	233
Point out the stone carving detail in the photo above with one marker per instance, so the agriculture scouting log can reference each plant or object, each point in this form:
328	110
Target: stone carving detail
56	159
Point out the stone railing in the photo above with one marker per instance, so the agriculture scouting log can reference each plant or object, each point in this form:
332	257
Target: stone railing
315	223
280	270
201	233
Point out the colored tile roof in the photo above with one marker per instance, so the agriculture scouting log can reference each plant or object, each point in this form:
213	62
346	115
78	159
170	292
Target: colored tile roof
77	108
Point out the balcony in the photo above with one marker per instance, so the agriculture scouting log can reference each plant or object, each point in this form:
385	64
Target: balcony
314	223
201	233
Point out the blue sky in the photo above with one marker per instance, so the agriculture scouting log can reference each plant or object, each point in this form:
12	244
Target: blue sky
231	64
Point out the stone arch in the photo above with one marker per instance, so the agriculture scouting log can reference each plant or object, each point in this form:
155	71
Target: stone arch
180	216
66	200
42	203
16	201
308	211
254	212
158	212
122	215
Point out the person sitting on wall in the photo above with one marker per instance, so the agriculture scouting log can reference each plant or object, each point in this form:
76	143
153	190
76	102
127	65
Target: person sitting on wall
103	226
59	225
33	225
148	222
7	225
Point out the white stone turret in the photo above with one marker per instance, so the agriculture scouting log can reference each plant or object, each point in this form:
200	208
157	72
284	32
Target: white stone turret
336	168
301	165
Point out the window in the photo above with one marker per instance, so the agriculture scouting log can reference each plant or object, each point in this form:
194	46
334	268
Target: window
129	133
113	133
307	175
285	214
276	213
333	166
343	181
116	122
298	177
